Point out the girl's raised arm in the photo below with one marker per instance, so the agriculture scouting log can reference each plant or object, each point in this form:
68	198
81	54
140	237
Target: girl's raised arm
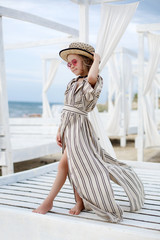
94	70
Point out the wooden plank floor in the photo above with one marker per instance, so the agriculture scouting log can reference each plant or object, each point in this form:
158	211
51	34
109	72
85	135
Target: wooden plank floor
29	193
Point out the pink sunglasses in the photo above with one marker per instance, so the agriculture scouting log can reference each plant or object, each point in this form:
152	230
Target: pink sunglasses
74	62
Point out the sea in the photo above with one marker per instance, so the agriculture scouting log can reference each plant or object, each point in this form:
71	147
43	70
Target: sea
18	109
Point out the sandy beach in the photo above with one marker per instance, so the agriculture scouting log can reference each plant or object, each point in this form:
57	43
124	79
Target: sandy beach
123	153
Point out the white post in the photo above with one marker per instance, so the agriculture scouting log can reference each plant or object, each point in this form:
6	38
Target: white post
123	122
5	145
110	104
140	139
44	69
84	22
130	98
156	99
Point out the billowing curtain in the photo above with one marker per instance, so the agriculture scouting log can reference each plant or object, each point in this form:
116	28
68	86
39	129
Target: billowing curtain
47	83
114	21
157	90
111	93
113	124
127	76
152	136
157	80
156	102
119	67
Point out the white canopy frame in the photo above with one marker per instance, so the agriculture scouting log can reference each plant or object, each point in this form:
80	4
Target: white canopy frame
142	88
6	161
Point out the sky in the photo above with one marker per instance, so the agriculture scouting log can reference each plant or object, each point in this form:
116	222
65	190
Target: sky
24	74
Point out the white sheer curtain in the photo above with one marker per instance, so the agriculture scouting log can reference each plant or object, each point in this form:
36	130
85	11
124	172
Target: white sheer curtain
157	80
47	83
157	90
119	67
156	102
113	124
127	76
114	20
150	128
111	93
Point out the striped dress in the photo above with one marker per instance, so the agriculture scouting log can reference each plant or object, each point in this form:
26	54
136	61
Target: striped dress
91	168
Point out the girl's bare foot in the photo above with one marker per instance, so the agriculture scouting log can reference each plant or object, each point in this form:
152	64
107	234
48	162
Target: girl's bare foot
77	208
44	207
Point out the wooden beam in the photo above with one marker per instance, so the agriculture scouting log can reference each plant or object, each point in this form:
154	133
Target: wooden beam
126	51
95	1
148	27
27	17
84	22
122	115
140	137
5	144
43	42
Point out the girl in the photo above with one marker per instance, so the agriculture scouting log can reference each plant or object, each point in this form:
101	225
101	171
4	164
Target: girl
89	168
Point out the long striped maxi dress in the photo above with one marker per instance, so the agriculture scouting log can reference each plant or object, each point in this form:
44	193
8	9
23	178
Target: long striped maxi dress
91	168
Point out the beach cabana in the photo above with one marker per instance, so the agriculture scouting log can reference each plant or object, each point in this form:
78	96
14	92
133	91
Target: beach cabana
106	43
148	134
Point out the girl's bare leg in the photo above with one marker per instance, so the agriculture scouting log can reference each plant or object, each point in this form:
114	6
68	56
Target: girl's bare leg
79	205
58	183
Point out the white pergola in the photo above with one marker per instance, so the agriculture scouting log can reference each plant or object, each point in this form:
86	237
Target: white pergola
103	49
5	143
142	30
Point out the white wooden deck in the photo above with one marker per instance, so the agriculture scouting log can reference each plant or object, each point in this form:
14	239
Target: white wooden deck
33	138
22	192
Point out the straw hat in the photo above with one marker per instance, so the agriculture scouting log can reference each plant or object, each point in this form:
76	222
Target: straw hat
77	48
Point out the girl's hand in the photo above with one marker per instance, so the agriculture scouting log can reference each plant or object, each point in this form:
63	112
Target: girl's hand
58	138
96	57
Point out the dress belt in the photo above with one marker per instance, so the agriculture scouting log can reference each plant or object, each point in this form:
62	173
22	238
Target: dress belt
75	110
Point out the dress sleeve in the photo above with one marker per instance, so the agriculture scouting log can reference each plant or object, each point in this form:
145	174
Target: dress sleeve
92	92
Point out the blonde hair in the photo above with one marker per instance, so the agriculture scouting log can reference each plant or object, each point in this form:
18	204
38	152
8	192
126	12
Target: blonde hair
87	62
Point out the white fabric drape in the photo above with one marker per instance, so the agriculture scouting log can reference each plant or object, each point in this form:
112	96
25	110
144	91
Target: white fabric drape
120	76
127	75
157	80
47	83
114	20
157	90
111	94
113	124
150	128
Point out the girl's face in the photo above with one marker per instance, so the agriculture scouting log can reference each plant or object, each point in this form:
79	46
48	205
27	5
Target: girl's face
75	63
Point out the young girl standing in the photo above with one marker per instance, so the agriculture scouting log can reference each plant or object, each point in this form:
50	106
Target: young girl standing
89	167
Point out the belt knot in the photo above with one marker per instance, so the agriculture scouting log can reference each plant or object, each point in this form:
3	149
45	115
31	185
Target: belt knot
74	110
